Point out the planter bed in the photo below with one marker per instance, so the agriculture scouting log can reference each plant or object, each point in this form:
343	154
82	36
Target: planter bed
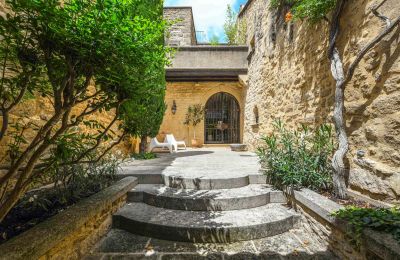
72	232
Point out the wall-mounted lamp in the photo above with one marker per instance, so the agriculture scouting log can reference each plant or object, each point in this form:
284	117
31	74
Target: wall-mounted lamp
173	108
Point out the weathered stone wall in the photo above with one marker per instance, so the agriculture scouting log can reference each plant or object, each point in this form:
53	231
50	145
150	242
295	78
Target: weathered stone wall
182	32
71	234
289	78
191	93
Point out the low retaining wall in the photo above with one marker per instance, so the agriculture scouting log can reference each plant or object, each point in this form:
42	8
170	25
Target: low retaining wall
71	233
316	210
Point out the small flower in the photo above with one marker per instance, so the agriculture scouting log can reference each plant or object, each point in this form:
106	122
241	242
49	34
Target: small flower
288	17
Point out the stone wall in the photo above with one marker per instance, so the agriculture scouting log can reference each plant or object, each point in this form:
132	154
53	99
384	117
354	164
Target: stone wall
289	78
182	31
190	93
71	233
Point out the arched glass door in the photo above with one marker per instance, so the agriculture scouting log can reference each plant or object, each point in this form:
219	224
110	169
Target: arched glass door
222	119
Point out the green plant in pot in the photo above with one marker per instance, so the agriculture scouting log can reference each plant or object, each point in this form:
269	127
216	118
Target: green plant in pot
194	116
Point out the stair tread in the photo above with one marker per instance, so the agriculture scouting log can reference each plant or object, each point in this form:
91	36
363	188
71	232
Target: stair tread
218	194
144	213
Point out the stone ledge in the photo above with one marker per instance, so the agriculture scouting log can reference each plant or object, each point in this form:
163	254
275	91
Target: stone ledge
377	245
43	238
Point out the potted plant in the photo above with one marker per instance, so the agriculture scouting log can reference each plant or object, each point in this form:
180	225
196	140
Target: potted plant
194	116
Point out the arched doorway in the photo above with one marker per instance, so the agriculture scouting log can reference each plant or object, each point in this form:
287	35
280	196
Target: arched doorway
222	119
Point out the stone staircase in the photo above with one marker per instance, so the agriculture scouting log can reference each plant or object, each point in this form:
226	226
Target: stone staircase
205	204
206	210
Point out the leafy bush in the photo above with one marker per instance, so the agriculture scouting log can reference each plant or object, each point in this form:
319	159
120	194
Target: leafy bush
297	159
314	10
144	156
384	220
77	182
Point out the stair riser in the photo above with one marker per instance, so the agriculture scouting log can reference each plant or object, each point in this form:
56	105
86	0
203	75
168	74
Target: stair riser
205	204
206	184
206	234
144	178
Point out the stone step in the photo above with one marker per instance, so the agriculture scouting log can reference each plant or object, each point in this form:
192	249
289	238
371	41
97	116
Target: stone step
205	183
205	226
251	196
145	174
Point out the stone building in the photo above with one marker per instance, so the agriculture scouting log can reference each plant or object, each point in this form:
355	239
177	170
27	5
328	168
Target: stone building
207	75
284	73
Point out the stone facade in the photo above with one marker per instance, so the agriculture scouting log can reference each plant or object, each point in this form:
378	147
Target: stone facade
182	32
289	78
189	93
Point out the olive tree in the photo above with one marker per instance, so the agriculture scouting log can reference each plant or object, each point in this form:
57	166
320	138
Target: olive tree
87	54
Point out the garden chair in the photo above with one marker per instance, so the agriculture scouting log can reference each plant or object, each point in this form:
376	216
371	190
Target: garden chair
170	138
156	144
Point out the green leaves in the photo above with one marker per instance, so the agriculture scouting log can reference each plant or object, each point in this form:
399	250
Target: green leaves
384	220
230	26
312	10
194	115
298	158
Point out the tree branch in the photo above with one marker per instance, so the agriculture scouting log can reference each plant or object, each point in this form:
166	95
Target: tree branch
368	47
374	10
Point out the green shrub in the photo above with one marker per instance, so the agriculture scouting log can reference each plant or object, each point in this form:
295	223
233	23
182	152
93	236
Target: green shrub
313	10
299	158
71	183
384	220
144	156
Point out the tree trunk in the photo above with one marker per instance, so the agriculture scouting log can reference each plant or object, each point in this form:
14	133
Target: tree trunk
143	144
4	125
339	180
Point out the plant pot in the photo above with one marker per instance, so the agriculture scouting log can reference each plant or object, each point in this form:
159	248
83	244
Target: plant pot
196	143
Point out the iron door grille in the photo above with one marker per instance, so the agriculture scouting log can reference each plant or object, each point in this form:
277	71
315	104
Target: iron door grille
222	120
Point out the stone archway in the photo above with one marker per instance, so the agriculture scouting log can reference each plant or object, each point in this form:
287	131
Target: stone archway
222	119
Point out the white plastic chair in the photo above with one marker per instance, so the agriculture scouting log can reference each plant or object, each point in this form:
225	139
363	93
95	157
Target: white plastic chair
156	144
170	138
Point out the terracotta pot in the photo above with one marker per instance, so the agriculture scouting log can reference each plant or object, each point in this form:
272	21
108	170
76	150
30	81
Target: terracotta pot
195	143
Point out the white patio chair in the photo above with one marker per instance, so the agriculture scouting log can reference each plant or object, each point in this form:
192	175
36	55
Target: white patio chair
170	138
156	144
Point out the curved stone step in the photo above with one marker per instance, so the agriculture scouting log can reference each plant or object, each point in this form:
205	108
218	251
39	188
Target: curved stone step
204	226
205	183
251	196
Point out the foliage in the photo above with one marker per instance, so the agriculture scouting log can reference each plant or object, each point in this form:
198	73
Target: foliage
80	182
241	37
381	219
230	26
214	41
143	115
194	116
313	10
299	158
56	51
144	156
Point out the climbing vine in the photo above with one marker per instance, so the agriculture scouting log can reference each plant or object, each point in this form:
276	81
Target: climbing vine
314	11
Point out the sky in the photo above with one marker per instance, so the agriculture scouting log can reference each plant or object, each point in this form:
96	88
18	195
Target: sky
209	15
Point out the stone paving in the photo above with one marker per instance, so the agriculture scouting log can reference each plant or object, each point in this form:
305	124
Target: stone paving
164	206
295	244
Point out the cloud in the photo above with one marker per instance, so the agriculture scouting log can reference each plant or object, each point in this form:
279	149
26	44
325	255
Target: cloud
209	15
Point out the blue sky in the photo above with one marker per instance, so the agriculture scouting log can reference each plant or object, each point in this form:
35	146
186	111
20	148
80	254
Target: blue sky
209	15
